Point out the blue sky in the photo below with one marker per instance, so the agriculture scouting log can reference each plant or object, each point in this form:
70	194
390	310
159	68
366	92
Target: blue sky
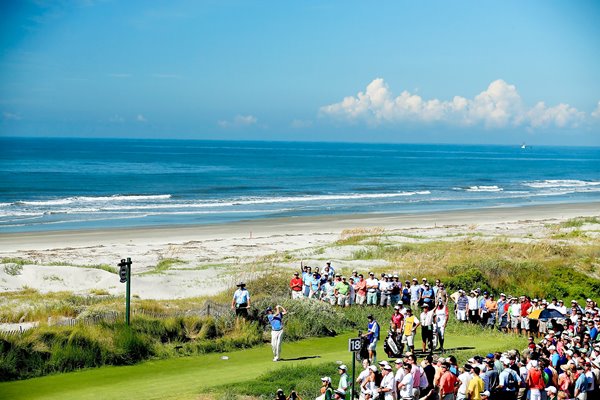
387	71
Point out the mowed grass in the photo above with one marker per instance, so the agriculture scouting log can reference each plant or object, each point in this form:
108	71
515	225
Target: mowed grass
197	376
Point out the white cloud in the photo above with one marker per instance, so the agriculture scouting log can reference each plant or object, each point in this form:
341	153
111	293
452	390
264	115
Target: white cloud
499	106
596	112
140	118
8	116
239	121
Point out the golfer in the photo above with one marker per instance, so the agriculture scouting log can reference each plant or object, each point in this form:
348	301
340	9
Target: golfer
241	300
276	321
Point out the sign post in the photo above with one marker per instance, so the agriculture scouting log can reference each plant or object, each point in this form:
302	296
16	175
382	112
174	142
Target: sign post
125	274
354	345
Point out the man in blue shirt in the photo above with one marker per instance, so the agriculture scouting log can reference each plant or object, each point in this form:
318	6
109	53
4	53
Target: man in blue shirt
276	321
373	336
241	300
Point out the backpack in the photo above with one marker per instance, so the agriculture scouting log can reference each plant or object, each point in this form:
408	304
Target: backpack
511	381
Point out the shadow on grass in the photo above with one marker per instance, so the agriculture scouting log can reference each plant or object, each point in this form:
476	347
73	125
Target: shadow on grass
299	358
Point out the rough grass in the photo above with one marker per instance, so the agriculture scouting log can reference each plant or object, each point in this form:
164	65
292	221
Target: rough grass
164	265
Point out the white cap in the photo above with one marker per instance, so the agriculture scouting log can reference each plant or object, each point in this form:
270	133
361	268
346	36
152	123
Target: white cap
326	379
343	366
551	389
373	368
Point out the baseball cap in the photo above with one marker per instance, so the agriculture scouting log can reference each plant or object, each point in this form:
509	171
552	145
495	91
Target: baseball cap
373	368
398	361
326	379
343	366
387	367
551	389
340	392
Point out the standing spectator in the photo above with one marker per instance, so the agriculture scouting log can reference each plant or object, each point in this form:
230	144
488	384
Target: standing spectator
427	295
343	383
415	293
372	287
360	288
406	294
492	308
396	290
315	286
581	384
463	382
475	386
328	270
385	288
410	326
342	291
502	312
483	310
326	389
405	386
441	294
241	300
514	313
387	384
473	307
509	381
440	322
525	306
280	395
296	286
306	278
462	306
351	292
329	292
447	383
373	336
426	320
276	321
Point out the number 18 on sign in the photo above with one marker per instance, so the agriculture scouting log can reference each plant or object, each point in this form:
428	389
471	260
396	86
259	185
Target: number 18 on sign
354	345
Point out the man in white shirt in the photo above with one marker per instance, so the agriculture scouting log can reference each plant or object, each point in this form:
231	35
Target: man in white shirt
427	327
464	380
372	287
387	383
405	387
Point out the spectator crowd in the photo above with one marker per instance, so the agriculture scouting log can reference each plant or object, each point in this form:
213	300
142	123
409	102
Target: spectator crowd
562	360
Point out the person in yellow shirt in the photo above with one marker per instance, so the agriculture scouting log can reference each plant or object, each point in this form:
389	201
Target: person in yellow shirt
475	386
410	326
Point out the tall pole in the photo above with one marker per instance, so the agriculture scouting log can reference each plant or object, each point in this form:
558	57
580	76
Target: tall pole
353	369
127	299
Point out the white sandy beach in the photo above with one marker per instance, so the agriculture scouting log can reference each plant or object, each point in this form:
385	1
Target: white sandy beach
213	257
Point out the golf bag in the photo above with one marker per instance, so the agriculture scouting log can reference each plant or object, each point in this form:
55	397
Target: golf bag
363	354
392	345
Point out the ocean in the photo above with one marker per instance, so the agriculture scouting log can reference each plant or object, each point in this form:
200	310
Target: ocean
58	184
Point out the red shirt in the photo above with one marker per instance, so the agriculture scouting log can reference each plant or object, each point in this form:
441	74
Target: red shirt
447	383
524	307
534	379
397	320
361	287
296	284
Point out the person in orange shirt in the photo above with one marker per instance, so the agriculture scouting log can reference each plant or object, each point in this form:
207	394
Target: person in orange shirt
447	383
492	308
360	288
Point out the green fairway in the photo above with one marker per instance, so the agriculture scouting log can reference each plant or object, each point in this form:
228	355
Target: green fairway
186	378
